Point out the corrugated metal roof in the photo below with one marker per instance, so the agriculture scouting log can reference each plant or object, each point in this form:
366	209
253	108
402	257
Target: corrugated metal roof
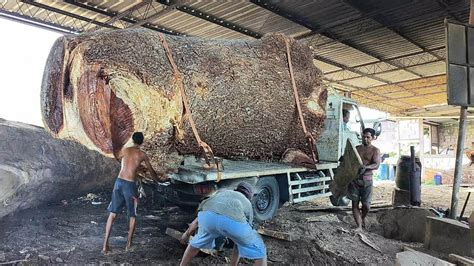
359	45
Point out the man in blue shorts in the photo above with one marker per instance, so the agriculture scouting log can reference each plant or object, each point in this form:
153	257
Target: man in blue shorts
228	214
125	192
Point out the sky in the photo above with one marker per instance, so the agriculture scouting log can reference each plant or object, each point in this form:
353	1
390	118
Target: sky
23	53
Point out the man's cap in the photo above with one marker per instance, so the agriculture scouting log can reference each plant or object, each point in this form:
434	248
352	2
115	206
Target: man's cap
246	189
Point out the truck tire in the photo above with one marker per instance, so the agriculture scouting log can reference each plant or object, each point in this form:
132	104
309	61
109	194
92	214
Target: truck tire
266	199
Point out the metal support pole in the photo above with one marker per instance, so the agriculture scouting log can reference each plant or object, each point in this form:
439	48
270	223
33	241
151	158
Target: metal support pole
458	167
460	147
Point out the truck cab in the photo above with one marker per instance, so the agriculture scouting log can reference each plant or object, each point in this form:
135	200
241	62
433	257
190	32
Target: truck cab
332	142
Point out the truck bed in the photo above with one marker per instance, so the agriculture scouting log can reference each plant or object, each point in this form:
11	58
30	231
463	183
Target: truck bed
192	172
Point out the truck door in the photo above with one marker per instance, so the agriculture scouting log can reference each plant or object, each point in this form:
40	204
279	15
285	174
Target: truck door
353	128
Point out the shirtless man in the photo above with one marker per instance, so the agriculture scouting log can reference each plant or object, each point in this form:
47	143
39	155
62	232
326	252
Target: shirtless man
360	190
125	189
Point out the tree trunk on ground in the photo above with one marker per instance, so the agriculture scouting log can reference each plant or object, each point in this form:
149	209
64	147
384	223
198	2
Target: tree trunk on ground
36	168
101	87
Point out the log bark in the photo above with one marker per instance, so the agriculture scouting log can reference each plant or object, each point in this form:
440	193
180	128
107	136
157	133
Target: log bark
36	168
99	88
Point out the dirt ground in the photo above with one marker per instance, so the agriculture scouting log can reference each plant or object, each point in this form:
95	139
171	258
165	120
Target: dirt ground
71	231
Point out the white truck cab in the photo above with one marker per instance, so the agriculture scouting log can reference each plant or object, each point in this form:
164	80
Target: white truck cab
332	142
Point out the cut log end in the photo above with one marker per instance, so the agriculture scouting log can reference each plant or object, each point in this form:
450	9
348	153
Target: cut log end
55	79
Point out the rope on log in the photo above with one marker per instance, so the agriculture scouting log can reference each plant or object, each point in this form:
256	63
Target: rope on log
309	137
208	154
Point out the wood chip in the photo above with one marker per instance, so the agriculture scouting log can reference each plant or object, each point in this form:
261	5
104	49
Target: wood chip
369	243
331	218
275	234
177	235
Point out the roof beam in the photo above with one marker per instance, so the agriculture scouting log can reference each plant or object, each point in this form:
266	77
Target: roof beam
344	67
312	27
267	5
210	18
65	13
124	18
380	19
127	12
149	19
331	62
404	59
357	89
22	18
412	96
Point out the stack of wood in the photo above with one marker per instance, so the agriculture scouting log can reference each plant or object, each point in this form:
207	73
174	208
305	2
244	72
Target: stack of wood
99	88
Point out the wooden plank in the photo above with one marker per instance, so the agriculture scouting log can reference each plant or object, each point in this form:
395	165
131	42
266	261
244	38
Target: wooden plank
413	257
275	234
369	243
330	218
177	235
460	260
173	233
322	208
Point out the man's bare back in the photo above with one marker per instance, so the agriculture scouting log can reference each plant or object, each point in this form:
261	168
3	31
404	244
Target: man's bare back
132	157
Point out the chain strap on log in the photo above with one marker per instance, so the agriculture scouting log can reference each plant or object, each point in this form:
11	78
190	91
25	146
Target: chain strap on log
307	134
207	151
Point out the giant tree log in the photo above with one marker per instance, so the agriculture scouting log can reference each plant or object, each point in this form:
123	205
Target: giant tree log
36	168
99	88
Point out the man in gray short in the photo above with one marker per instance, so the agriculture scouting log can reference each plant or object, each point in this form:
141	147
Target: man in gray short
360	190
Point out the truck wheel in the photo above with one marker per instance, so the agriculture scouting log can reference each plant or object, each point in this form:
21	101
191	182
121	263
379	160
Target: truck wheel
341	201
266	199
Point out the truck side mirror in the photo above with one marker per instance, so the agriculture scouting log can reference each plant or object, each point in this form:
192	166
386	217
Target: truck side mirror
378	128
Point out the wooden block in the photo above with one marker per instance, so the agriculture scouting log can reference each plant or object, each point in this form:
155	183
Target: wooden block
275	234
460	260
177	235
418	258
400	197
330	218
322	208
369	243
173	233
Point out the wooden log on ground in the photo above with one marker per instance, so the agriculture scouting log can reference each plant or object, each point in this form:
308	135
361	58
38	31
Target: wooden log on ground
177	235
460	260
99	88
275	234
418	258
36	168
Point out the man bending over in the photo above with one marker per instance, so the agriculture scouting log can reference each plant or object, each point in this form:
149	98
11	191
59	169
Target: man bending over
226	214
